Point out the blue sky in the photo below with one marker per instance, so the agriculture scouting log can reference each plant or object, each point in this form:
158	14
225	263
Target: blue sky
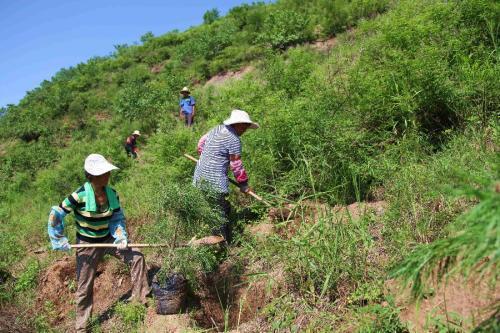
37	38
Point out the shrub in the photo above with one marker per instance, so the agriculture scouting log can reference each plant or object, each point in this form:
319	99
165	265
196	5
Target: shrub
211	16
283	28
132	314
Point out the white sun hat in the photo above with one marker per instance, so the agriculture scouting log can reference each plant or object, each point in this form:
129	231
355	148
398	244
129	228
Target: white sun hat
136	132
240	117
96	165
185	89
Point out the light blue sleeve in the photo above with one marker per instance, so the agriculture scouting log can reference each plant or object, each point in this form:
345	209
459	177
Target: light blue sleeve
117	226
55	228
193	102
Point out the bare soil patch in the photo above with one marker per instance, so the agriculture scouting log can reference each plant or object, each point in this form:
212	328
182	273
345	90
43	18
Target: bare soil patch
233	296
324	45
13	320
220	79
461	302
57	285
178	323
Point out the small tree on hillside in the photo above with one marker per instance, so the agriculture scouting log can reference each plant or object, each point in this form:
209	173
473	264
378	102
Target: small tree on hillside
147	37
211	16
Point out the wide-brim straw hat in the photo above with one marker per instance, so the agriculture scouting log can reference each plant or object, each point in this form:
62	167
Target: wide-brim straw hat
185	89
136	132
240	117
96	165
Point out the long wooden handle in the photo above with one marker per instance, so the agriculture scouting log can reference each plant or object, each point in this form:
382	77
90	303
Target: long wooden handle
111	245
232	181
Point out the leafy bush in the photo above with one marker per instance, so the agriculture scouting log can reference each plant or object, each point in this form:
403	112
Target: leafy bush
211	16
283	28
132	314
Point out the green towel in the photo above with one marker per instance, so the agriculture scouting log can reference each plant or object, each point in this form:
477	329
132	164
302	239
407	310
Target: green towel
90	204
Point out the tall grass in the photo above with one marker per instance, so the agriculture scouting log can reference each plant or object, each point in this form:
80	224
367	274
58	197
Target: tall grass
473	248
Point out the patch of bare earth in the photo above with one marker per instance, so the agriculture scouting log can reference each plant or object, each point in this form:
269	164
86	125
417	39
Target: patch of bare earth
102	116
178	323
220	79
233	296
14	320
155	69
324	45
57	285
460	302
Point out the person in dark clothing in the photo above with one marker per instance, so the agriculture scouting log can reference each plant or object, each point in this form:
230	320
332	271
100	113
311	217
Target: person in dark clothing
131	145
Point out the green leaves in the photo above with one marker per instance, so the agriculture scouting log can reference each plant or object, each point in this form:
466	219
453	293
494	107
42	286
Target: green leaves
283	28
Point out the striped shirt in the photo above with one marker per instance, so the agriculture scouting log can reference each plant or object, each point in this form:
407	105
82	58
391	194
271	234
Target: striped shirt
91	226
213	164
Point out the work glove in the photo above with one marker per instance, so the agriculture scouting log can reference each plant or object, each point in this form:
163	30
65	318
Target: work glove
122	244
64	245
118	230
244	188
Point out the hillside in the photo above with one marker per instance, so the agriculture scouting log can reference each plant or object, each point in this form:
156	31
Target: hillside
379	140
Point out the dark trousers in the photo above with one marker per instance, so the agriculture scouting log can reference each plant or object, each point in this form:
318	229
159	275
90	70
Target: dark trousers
188	119
130	151
219	202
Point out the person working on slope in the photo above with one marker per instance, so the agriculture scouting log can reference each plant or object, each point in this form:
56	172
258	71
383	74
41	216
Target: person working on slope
131	144
187	107
219	150
99	219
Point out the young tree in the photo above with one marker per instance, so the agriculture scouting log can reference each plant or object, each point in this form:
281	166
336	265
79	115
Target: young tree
210	16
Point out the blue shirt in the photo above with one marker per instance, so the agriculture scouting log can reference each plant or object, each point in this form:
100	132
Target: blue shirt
187	104
213	164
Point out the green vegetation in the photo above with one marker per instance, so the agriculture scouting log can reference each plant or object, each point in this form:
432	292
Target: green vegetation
405	104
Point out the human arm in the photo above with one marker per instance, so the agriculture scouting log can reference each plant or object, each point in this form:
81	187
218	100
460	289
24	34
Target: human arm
201	143
236	165
118	230
55	229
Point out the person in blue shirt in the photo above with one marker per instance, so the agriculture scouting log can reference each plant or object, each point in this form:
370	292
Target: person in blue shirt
187	107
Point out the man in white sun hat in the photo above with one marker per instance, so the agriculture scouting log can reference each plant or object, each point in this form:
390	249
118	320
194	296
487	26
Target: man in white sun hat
219	150
99	219
187	106
131	144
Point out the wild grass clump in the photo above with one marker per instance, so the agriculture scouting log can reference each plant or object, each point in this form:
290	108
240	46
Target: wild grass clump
473	248
326	254
131	314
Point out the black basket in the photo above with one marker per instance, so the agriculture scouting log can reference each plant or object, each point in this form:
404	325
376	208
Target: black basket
170	296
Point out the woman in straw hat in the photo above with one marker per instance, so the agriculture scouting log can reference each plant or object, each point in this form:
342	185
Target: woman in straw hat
219	150
99	219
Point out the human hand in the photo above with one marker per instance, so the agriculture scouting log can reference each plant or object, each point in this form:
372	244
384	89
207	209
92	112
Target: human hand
245	189
65	246
122	244
62	244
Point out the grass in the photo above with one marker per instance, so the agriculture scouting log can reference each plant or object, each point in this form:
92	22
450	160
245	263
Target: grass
406	102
